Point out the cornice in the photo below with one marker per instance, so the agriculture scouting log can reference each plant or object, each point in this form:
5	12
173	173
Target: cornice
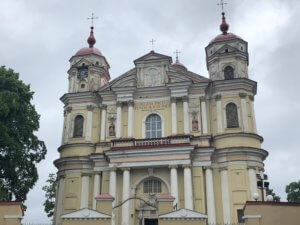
240	134
62	147
241	150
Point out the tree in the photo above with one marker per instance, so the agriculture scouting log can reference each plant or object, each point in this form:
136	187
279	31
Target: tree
293	192
50	190
20	148
275	197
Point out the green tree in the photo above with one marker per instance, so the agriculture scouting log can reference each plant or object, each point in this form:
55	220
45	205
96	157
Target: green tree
20	148
275	197
50	190
293	192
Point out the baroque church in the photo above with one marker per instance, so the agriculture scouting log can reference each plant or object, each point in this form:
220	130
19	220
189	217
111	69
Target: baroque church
159	144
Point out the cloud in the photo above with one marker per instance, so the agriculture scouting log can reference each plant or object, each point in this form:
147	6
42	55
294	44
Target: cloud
37	38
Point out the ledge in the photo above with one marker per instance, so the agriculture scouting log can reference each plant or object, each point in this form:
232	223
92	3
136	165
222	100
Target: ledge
239	134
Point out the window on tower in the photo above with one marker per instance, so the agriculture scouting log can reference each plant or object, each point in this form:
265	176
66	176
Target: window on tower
228	73
153	126
152	186
232	116
78	126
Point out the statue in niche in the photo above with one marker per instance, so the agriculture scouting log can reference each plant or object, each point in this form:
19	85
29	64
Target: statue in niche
195	123
111	128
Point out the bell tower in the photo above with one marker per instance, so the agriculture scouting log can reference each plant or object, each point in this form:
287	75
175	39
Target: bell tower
89	69
227	55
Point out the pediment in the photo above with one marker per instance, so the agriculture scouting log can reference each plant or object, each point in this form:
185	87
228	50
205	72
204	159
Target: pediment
225	48
177	75
85	214
153	56
183	214
82	61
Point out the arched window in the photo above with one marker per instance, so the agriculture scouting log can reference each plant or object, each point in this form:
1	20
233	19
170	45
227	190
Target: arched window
78	126
232	116
153	126
228	73
152	186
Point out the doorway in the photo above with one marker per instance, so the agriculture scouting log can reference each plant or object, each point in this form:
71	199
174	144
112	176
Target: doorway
151	222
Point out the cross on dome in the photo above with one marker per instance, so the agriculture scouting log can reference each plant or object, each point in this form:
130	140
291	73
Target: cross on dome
92	18
177	52
222	5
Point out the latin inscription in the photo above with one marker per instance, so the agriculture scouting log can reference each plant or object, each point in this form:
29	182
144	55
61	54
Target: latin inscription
151	105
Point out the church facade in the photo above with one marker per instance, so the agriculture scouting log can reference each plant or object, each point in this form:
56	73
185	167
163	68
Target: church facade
160	130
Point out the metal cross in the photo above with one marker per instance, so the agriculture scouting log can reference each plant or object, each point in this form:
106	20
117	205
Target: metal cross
93	18
177	52
222	4
152	43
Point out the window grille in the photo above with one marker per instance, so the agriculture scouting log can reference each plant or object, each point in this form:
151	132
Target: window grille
152	186
153	126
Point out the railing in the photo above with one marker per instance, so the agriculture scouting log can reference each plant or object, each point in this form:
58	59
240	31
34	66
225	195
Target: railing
119	143
28	223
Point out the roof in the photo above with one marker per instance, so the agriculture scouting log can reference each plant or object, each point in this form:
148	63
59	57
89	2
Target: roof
88	51
183	214
85	214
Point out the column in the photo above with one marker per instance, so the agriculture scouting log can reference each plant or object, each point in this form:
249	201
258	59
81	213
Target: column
252	181
210	199
174	184
174	115
253	114
59	200
130	118
225	196
203	115
68	124
119	120
84	200
188	191
244	111
97	179
186	119
64	130
219	114
113	191
103	123
89	122
125	196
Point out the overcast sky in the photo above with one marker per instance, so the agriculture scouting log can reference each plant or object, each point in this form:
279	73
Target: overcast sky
37	38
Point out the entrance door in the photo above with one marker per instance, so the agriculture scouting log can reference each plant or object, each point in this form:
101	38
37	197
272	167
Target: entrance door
151	222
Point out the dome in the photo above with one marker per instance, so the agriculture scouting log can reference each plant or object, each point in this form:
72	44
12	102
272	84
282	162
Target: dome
90	50
180	65
225	36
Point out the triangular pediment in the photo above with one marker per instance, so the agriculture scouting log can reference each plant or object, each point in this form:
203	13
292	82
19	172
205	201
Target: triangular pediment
183	214
225	49
153	56
81	62
85	214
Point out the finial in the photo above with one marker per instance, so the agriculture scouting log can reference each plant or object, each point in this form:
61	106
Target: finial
177	52
152	44
91	40
224	26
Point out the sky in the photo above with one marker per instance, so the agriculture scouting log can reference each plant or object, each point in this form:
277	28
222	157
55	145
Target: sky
37	38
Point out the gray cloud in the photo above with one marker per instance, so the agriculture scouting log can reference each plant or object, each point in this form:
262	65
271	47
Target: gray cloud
37	38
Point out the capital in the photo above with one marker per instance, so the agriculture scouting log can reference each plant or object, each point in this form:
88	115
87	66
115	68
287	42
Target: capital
90	107
173	166
185	99
119	104
202	98
218	97
187	166
251	97
130	103
173	99
69	109
242	95
125	169
103	107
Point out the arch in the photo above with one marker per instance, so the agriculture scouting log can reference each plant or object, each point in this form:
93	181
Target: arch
144	124
232	118
228	73
78	126
153	126
147	177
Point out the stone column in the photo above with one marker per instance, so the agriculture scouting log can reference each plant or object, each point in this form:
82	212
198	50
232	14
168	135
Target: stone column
244	111
59	201
89	123
203	115
253	114
119	120
174	184
219	114
84	199
130	118
186	119
188	190
225	196
210	199
125	196
103	123
97	179
252	181
174	115
68	124
113	192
